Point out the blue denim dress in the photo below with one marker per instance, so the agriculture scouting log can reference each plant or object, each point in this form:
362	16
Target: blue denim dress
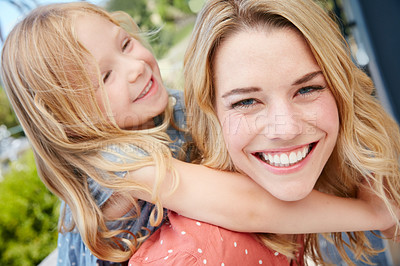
331	254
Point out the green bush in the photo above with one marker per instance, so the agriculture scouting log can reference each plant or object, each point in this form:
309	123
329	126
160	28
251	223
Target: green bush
7	116
28	215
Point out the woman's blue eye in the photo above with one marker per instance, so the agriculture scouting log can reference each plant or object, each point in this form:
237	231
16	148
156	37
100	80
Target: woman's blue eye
309	89
244	103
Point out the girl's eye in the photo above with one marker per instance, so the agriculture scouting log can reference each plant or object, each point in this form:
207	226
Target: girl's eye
126	44
246	103
106	76
305	91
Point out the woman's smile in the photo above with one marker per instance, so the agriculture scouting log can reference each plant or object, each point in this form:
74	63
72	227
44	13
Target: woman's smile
284	159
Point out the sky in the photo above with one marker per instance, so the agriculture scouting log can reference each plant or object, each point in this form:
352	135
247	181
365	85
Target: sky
9	15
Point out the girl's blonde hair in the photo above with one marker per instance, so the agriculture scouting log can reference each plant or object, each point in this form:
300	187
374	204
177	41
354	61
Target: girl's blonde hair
44	71
368	144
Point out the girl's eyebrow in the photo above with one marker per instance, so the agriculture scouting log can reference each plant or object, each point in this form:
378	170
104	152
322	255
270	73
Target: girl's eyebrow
118	33
240	91
307	77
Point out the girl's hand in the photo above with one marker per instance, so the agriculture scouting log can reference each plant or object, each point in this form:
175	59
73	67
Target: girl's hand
392	233
385	219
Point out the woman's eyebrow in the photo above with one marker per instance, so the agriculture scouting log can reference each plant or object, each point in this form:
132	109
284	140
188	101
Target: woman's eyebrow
307	77
245	90
240	91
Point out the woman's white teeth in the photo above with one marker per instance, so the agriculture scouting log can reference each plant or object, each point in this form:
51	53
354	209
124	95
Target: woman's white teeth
286	159
146	90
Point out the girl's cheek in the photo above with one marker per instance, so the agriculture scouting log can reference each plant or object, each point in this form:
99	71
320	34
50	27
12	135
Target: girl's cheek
99	100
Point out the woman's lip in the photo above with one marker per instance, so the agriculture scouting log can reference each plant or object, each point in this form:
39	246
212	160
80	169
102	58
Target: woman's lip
288	169
287	149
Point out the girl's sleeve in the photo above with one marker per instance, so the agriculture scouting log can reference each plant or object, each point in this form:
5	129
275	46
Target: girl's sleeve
102	194
70	248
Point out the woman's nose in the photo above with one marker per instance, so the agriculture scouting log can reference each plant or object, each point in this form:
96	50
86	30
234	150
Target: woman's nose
282	121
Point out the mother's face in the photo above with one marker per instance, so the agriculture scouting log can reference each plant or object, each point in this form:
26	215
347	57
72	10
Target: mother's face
279	118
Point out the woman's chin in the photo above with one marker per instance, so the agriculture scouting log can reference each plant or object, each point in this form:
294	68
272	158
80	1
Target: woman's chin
291	194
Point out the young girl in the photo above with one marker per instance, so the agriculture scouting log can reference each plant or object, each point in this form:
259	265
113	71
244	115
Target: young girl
90	98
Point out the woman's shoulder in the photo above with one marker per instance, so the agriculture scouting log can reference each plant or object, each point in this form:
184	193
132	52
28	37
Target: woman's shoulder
188	241
177	242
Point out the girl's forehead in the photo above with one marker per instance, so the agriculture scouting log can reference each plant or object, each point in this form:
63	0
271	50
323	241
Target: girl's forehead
89	18
91	27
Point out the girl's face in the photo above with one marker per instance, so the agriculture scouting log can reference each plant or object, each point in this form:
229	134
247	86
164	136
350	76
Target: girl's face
279	119
130	73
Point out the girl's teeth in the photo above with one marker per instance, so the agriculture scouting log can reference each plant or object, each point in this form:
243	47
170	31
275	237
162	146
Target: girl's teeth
299	155
146	90
285	159
293	157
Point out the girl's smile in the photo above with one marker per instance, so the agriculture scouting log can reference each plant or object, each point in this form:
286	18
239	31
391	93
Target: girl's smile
146	90
277	114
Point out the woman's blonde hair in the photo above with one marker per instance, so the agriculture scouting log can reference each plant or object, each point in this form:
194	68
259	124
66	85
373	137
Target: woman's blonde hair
44	71
368	144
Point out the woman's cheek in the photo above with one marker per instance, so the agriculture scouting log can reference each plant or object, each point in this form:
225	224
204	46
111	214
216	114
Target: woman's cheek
237	129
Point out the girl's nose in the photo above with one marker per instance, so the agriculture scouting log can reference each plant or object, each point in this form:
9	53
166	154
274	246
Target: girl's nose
135	69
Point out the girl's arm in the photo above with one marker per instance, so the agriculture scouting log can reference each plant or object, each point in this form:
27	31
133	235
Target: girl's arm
236	202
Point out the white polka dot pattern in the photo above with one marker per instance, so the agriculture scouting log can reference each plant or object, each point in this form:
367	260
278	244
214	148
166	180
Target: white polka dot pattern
189	242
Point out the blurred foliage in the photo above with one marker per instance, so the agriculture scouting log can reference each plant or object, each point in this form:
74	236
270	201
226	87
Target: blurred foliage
7	116
335	10
166	17
28	217
23	6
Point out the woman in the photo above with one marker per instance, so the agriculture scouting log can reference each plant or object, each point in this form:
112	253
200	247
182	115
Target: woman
274	81
367	147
